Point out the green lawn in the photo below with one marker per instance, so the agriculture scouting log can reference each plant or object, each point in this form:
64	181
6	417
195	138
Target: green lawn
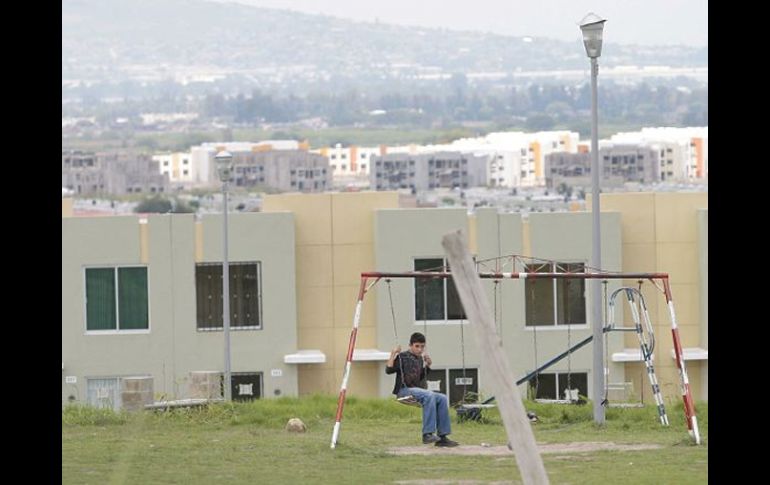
246	443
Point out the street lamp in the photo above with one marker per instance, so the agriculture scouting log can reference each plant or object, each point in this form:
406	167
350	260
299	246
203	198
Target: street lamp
224	162
592	26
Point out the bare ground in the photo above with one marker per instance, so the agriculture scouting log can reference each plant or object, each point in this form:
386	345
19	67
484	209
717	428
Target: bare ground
552	448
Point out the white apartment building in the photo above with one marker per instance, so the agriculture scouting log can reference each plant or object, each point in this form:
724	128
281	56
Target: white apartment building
515	159
202	169
350	165
683	151
178	166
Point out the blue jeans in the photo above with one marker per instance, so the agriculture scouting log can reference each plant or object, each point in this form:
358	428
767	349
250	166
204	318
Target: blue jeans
435	409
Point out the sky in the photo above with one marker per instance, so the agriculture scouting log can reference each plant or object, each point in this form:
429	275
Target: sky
644	22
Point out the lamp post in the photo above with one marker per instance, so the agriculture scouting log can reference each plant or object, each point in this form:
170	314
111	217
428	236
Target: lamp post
592	26
224	162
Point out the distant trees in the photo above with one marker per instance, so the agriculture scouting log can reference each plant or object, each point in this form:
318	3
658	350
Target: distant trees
539	122
182	207
432	103
456	100
154	205
160	205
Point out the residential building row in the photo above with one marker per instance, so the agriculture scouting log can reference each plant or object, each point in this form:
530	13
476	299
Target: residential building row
619	164
500	159
142	297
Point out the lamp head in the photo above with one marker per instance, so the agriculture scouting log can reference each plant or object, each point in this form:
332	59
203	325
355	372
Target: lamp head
592	26
224	161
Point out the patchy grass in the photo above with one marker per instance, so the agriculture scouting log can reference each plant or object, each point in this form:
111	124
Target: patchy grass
246	443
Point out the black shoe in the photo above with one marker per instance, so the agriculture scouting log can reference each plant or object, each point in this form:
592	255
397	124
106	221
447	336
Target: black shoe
429	438
446	442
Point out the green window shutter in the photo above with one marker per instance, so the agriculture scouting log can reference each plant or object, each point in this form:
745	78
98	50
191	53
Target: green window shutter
100	299
132	298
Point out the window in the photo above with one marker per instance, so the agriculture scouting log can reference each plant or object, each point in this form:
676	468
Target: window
245	296
103	393
116	299
569	301
463	384
554	385
246	386
435	299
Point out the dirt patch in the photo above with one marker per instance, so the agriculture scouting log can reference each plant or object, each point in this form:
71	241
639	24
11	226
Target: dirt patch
440	481
550	448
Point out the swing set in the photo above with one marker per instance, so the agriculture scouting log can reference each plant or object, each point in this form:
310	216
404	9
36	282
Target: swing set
642	327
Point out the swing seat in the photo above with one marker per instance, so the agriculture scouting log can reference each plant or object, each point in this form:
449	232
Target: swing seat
409	400
471	411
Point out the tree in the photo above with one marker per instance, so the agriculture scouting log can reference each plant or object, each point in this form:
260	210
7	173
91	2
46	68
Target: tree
539	122
182	207
155	205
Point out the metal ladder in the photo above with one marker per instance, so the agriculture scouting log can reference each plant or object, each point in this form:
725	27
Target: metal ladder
646	338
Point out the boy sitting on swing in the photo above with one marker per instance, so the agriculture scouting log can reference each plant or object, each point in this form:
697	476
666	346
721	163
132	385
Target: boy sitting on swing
411	368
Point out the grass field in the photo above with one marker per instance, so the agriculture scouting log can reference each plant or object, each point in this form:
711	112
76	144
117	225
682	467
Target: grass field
246	443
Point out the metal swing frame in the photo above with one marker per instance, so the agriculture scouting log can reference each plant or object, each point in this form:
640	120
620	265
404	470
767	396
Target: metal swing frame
663	278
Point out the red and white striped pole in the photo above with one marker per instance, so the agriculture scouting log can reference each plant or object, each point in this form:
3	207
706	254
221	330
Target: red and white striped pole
349	361
689	406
